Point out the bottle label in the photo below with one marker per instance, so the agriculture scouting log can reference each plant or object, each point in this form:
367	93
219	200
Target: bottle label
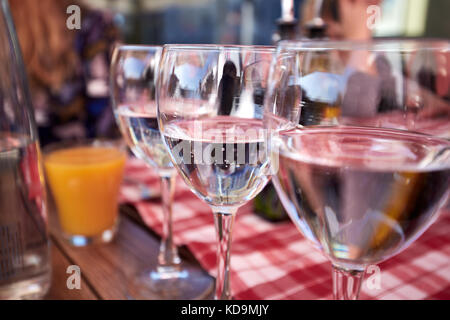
11	251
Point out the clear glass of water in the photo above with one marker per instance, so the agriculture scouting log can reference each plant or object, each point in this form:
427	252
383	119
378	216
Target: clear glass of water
360	146
133	77
25	269
210	108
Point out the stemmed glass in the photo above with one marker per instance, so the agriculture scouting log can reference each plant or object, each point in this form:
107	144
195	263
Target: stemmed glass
359	144
210	108
133	76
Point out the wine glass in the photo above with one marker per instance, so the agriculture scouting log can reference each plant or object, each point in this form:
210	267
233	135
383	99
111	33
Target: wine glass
359	141
133	74
210	108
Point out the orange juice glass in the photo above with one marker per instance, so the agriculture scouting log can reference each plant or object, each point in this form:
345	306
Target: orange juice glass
85	179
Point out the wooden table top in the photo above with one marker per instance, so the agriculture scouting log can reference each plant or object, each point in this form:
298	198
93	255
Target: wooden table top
105	268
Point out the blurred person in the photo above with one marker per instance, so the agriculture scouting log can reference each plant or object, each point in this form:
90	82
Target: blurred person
348	20
344	19
67	69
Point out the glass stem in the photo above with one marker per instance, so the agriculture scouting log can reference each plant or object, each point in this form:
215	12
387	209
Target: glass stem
168	259
346	283
224	225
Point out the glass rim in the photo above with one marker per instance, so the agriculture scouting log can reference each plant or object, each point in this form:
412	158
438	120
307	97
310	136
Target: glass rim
388	45
218	47
117	143
136	47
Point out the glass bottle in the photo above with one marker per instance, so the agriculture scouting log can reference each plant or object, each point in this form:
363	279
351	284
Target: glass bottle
24	242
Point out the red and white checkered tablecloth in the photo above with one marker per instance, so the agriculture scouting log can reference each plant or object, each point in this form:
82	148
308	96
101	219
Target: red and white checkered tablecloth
274	261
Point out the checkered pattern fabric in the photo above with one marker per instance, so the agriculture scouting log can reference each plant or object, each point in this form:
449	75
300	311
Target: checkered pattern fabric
274	261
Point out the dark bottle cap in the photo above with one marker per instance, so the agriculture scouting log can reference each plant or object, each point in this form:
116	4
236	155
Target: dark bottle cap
315	29
287	30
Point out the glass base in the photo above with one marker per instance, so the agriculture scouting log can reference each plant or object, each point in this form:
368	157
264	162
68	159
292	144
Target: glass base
184	283
81	241
29	289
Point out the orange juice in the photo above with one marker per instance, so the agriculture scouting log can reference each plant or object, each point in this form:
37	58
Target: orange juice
85	182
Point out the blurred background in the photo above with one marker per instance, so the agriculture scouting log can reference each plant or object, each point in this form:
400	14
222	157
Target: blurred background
254	21
68	69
